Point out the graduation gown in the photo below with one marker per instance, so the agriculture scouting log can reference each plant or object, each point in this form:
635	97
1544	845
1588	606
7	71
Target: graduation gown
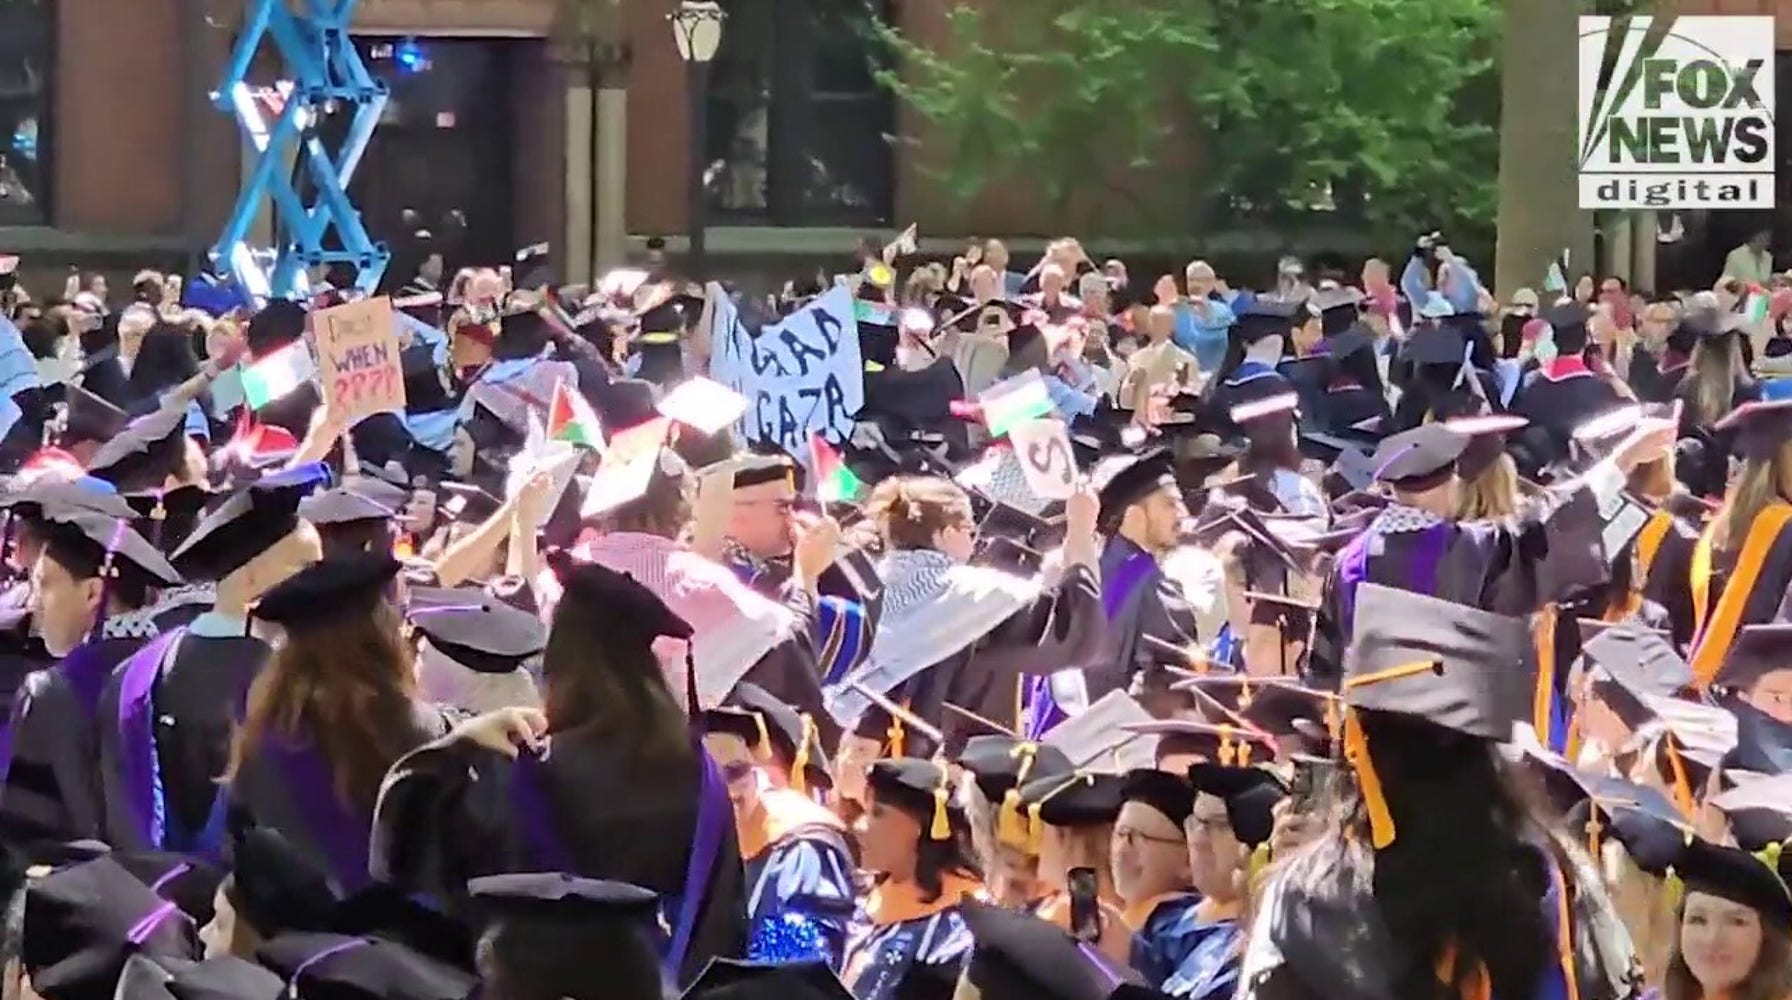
1062	627
1552	549
1213	951
1318	933
799	877
902	946
1750	584
452	811
1161	935
166	720
1250	381
285	784
21	653
1561	396
52	788
1138	600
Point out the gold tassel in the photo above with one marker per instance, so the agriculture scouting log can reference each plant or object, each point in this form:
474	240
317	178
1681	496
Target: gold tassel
799	764
1244	694
1770	856
942	824
1543	696
895	735
1228	755
1682	787
1593	829
763	749
1259	861
1244	753
1673	888
1356	751
1009	828
1035	830
1332	723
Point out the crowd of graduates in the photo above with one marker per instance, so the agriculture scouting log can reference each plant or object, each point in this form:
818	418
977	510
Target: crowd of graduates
1394	640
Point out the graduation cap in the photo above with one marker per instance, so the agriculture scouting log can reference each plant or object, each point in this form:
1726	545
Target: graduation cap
1266	317
1450	665
542	918
426	385
1435	344
1098	740
1017	956
83	922
1250	795
1635	657
1338	307
342	505
757	470
478	631
145	454
1000	764
225	977
1421	458
1760	428
1763	743
1759	650
769	726
101	542
337	587
1653	842
1759	810
1569	321
250	522
1082	798
188	882
1486	440
89	418
1736	875
534	267
1267	416
921	788
360	968
1127	480
29	500
1352	463
1356	338
1169	794
615	599
469	502
731	979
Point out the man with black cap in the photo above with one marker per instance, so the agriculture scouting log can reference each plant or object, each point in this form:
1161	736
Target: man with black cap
537	924
1514	567
170	707
1564	393
1141	518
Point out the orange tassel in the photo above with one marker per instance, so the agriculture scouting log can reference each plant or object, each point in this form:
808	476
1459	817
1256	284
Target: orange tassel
1356	751
1682	787
763	749
895	735
799	764
1543	697
1228	755
942	824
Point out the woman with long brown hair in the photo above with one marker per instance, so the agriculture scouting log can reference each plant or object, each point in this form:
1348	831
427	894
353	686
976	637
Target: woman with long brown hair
1742	564
605	783
1734	935
332	710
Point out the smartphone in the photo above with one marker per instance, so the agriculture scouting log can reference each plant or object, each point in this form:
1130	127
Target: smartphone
1085	909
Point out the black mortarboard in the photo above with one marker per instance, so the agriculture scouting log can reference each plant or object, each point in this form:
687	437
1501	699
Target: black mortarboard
1266	317
469	502
1761	428
755	470
730	979
325	592
919	787
279	323
1759	810
1421	458
1017	956
1355	338
1763	743
1454	666
144	454
479	632
537	919
1267	415
1486	440
1654	842
247	524
1434	344
1569	321
1758	650
1098	738
1338	308
30	500
426	386
1170	794
341	505
275	887
1080	799
1124	481
792	733
617	600
90	418
96	535
225	978
628	402
188	882
1637	658
83	922
335	967
999	762
1206	740
387	485
1250	794
1736	875
1351	462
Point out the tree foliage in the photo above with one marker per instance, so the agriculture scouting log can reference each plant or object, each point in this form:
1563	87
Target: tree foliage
1385	108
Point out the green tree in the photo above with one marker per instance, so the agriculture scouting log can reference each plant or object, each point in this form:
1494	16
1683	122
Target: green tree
1382	107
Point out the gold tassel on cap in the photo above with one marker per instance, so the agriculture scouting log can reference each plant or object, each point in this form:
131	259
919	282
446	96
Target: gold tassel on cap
1543	696
942	794
763	750
1244	693
1593	829
895	735
1009	828
1259	861
799	763
1682	788
1228	754
1356	751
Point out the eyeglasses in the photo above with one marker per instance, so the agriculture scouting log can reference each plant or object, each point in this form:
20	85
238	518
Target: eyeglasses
781	506
1129	836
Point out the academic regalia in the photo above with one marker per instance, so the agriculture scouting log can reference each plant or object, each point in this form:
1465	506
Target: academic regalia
1015	957
82	923
1354	396
798	865
902	945
1553	547
340	967
1317	931
452	810
1750	582
52	787
1161	926
536	921
284	782
1254	376
169	711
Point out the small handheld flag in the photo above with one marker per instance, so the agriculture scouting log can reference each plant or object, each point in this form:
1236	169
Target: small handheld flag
570	419
834	482
277	374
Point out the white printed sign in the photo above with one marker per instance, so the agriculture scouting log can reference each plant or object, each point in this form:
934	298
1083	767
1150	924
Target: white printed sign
804	375
1043	447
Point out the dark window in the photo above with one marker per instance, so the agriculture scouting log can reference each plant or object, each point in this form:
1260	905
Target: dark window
798	130
27	33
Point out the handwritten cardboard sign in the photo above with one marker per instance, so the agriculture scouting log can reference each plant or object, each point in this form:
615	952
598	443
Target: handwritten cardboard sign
357	347
800	376
1043	447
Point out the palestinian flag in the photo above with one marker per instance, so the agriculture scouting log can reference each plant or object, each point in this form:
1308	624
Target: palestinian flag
279	373
834	482
570	419
1755	307
1014	401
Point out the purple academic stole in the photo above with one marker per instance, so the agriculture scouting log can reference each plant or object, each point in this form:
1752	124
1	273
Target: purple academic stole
1043	713
1430	545
715	817
339	832
137	739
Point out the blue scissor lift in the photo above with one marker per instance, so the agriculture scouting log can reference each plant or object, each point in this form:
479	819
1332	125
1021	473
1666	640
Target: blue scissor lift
326	76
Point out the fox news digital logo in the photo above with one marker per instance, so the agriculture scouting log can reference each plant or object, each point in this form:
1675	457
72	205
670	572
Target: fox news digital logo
1677	117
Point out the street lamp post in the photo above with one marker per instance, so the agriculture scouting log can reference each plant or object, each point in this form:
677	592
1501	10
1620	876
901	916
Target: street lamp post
697	30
